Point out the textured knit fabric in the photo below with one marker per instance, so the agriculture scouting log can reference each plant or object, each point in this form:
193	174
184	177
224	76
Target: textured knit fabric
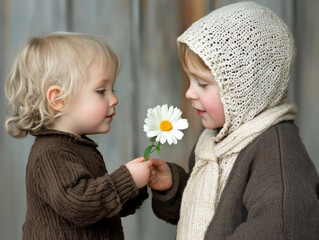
214	161
272	191
250	51
70	195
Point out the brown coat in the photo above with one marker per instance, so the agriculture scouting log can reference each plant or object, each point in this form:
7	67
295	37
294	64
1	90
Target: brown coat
70	195
272	191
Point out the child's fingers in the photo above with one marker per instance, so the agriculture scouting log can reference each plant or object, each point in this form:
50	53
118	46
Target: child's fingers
140	159
151	182
148	163
157	162
136	160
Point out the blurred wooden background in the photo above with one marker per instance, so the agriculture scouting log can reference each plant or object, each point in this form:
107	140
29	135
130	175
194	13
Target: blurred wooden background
144	34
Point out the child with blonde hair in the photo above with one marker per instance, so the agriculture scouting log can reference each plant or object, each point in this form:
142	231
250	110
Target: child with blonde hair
61	89
250	176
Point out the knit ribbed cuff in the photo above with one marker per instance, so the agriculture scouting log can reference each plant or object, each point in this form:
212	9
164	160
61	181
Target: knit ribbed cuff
171	194
124	184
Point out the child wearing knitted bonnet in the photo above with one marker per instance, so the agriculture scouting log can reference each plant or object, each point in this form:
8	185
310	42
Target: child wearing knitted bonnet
250	176
61	89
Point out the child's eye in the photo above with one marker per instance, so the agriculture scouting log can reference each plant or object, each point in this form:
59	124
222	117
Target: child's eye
202	85
101	91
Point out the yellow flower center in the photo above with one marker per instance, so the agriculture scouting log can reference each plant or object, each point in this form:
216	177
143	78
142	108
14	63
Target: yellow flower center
166	126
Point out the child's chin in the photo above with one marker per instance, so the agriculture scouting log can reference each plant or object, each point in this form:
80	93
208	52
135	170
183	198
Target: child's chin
205	124
208	126
106	130
103	131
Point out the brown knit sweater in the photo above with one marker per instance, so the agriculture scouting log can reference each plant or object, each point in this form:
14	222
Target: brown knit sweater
272	192
70	195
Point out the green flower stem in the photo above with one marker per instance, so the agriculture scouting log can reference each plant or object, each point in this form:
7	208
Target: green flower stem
150	149
149	153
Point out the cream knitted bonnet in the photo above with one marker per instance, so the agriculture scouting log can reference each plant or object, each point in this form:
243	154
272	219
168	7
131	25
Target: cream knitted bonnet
250	51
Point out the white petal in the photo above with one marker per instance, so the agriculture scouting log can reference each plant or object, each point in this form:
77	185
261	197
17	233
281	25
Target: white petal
153	133
157	111
173	138
155	126
169	138
170	112
146	128
163	138
150	126
176	115
149	111
153	116
149	121
164	112
180	124
178	134
158	138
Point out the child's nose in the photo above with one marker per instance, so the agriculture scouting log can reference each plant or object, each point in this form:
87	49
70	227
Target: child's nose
114	101
190	94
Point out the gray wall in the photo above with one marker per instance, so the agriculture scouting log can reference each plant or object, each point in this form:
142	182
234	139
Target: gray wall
144	34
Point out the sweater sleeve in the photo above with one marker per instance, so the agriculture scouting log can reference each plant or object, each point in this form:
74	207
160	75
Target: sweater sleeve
133	204
70	189
166	204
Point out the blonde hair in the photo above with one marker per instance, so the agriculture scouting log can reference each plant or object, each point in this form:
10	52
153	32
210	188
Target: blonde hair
60	59
185	54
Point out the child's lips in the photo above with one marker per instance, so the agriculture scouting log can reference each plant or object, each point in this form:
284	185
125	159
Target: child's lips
200	112
110	116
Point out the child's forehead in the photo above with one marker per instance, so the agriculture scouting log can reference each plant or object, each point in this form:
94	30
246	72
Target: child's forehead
102	64
193	64
101	71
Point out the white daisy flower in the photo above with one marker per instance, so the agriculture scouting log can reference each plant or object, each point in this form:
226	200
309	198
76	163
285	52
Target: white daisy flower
165	124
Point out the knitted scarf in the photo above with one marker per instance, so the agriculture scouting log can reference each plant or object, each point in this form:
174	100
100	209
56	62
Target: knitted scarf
210	173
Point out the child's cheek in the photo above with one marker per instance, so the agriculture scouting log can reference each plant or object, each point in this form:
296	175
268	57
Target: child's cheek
93	112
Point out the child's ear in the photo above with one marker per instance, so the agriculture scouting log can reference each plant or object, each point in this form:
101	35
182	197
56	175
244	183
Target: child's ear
53	94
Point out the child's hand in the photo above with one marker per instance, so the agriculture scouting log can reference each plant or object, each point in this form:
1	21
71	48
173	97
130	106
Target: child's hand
140	171
161	176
